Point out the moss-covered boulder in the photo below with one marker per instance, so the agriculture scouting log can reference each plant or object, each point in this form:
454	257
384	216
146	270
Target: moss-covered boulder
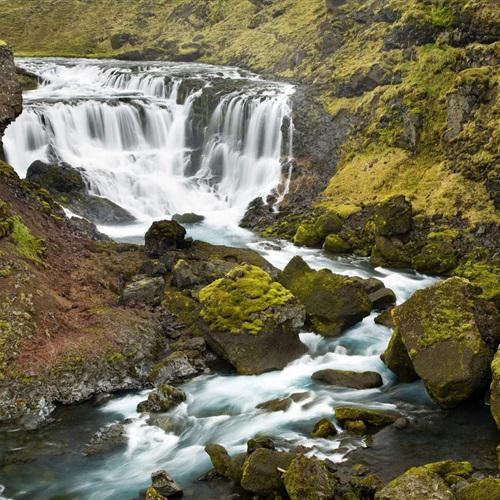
313	234
438	255
375	418
226	466
333	302
397	359
336	244
56	178
163	398
252	321
450	335
392	216
309	479
163	236
389	252
488	488
347	378
495	388
262	471
323	428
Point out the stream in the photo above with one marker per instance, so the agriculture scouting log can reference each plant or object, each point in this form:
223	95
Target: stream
166	138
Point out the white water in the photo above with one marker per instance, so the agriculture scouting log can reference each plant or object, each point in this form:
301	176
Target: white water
132	133
125	127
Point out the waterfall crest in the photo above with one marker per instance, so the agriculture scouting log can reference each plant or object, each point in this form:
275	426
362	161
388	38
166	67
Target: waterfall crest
158	139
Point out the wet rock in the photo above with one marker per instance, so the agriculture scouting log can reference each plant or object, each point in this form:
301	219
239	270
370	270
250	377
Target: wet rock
389	252
375	418
226	466
163	398
345	378
259	442
495	389
261	471
163	236
252	321
397	359
280	404
385	319
152	494
101	399
356	426
324	428
56	178
96	209
336	244
449	334
333	302
106	439
188	218
164	422
165	485
309	479
401	423
382	299
393	217
370	285
175	368
143	291
482	489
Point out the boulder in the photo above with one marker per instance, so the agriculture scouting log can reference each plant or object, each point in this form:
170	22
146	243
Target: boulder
176	367
313	234
163	236
280	404
165	485
259	442
189	218
164	422
262	471
397	359
96	209
324	428
345	378
183	275
438	255
393	216
449	334
309	479
389	251
382	298
152	494
163	398
143	291
495	389
57	178
226	466
106	439
385	318
252	321
333	302
375	418
336	244
488	488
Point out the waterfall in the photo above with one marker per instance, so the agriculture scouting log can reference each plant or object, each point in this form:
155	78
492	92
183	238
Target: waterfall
137	134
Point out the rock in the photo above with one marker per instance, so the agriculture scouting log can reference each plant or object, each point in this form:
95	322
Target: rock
367	79
412	486
314	234
345	378
152	494
164	422
165	485
86	229
154	268
309	479
449	334
401	423
163	398
176	367
356	426
488	488
189	218
97	209
280	404
397	359
252	321
385	319
324	428
183	275
192	344
261	471
495	388
336	244
143	291
333	302
438	255
376	418
370	285
118	40
163	236
57	178
382	299
259	442
389	252
106	439
101	399
393	216
226	466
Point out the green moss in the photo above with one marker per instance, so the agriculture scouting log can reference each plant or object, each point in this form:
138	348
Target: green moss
442	15
307	236
26	244
114	358
436	257
323	429
483	274
376	418
336	244
242	301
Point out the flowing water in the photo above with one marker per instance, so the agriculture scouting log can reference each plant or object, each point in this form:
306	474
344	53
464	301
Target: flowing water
162	138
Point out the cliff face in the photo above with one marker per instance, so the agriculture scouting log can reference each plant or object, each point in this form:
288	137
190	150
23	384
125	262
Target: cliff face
10	91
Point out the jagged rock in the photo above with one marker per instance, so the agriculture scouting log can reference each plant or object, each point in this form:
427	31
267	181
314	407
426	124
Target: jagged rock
397	359
382	299
259	442
183	275
309	479
438	255
385	318
333	302
261	471
176	367
163	236
393	216
495	388
161	399
143	291
106	439
324	429
165	485
449	334
376	418
344	378
192	344
252	321
389	252
189	218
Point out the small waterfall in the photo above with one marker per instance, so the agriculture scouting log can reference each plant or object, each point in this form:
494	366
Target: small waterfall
142	145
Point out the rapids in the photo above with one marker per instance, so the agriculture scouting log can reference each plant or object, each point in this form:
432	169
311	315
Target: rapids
161	138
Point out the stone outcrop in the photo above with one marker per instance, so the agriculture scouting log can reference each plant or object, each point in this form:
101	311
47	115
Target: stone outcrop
345	378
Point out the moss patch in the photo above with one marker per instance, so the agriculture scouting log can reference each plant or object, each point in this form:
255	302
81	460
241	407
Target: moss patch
27	245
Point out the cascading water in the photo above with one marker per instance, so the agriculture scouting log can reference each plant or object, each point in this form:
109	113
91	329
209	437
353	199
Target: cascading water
152	151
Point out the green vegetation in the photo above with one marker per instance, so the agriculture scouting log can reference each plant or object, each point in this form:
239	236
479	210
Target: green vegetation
27	245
